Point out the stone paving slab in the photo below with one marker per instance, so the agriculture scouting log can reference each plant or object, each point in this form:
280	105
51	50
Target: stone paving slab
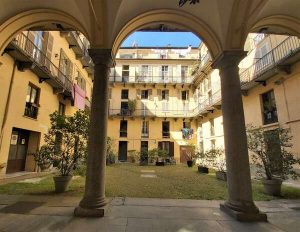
148	176
143	215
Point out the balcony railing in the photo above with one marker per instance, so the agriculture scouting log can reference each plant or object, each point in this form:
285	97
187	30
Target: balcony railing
44	64
31	110
284	50
167	79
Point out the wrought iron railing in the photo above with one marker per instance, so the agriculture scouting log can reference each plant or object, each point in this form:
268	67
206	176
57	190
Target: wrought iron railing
167	79
35	53
284	50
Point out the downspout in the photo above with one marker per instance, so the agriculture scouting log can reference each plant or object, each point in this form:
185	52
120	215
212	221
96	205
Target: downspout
7	102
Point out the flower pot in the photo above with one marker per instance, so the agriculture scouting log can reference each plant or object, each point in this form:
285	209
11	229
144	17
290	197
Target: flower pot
203	169
190	163
44	167
160	163
221	175
61	183
272	187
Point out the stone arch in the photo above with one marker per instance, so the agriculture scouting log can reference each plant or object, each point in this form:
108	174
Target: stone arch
36	18
281	24
173	17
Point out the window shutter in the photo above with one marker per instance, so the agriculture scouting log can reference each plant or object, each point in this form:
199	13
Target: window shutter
160	145
150	94
167	95
138	93
178	94
30	43
49	52
159	94
109	93
187	95
171	149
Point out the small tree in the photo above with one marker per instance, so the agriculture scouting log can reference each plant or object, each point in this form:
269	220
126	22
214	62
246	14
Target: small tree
110	151
271	152
67	140
43	157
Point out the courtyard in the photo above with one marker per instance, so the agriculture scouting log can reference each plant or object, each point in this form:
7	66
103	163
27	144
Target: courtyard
131	180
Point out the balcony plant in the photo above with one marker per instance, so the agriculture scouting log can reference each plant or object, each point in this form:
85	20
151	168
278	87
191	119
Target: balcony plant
271	153
43	158
131	106
67	142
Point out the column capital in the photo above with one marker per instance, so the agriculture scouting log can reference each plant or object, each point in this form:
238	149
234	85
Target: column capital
101	57
228	58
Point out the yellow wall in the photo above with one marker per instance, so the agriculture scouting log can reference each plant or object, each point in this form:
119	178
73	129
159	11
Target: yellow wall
48	101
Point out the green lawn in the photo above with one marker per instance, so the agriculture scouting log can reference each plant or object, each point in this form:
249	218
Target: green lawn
172	182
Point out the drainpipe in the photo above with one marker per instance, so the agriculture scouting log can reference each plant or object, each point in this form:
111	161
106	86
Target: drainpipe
7	102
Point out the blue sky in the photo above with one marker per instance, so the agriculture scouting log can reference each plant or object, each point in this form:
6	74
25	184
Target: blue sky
162	39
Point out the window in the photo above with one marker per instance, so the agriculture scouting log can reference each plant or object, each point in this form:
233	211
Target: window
145	94
124	94
164	71
210	99
187	125
124	108
184	95
32	98
144	70
212	127
166	129
165	94
213	144
145	129
125	73
65	66
269	108
61	109
123	128
144	146
184	71
168	147
81	81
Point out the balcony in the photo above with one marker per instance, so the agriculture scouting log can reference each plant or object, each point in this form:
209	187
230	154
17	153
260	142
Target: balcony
150	79
202	68
80	47
277	60
208	104
29	56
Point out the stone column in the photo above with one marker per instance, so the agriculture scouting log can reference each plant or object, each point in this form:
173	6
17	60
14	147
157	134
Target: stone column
93	202
240	202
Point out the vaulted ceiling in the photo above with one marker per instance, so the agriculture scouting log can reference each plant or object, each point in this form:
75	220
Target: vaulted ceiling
221	24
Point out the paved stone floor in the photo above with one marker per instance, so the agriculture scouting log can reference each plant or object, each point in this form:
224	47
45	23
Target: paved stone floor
55	213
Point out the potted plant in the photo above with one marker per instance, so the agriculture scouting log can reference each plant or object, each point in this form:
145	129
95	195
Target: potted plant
131	106
220	164
43	158
272	156
144	158
191	155
158	156
67	142
201	160
133	156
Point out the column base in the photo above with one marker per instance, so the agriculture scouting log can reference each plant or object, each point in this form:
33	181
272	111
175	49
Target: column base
244	216
86	212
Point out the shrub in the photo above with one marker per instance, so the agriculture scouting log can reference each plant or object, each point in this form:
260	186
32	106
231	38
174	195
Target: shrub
271	152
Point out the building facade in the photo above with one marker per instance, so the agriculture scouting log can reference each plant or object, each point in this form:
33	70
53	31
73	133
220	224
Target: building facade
41	72
270	81
151	99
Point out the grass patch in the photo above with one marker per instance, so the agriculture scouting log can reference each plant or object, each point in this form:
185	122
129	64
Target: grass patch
177	182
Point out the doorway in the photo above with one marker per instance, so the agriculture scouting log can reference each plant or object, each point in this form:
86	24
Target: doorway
17	151
122	150
185	152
